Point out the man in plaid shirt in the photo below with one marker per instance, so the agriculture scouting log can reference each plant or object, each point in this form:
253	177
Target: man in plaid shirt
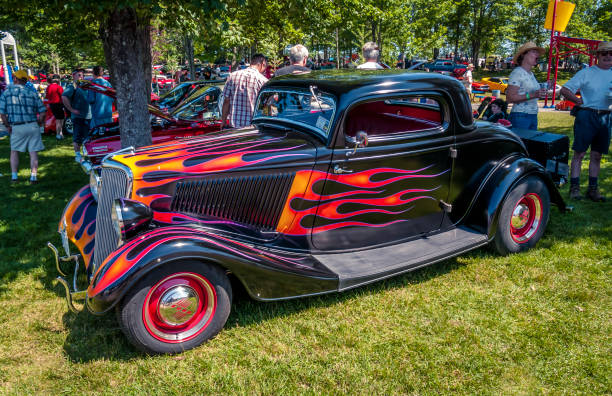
22	111
240	92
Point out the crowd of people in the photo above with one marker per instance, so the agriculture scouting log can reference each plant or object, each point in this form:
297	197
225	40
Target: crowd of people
22	110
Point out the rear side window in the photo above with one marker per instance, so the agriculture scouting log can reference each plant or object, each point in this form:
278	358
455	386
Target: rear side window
395	116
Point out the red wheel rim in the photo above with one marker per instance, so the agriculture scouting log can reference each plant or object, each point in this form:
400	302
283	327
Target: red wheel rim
179	307
526	218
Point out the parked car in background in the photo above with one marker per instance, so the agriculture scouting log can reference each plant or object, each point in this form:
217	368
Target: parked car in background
171	99
478	86
446	65
163	82
344	179
499	83
199	115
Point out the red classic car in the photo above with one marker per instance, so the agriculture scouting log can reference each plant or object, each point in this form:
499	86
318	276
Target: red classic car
198	115
477	86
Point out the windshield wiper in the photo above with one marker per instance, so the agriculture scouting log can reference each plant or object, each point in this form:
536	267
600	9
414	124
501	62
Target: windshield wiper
312	91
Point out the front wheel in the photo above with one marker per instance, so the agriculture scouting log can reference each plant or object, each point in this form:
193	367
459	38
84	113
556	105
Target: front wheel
176	307
523	217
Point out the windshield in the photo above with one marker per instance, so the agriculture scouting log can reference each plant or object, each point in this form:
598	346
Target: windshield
297	106
174	95
203	107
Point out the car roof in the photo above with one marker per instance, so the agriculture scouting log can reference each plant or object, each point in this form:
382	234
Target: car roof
354	85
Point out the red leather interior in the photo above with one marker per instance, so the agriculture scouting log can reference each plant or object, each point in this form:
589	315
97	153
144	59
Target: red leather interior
380	118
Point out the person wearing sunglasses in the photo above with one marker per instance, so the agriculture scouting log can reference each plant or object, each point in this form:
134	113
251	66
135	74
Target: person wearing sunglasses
593	120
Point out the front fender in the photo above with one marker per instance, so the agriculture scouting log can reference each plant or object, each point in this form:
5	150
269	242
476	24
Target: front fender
484	214
78	223
266	274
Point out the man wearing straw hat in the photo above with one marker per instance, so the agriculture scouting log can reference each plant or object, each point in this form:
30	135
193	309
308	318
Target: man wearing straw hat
593	120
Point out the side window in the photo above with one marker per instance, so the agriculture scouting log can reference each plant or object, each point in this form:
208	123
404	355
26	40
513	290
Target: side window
394	116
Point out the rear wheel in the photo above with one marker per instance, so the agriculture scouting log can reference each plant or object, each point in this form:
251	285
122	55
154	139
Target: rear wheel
176	307
523	217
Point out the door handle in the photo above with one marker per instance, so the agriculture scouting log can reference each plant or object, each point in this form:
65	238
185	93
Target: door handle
340	170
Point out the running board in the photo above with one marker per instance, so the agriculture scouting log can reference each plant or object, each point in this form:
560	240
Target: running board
366	266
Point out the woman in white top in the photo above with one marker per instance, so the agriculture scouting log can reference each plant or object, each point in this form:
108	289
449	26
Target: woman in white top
523	88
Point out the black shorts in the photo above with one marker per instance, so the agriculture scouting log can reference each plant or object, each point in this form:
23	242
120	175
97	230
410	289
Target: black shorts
592	129
80	129
58	110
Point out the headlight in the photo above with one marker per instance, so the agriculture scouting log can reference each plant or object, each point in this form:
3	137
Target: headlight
94	183
129	218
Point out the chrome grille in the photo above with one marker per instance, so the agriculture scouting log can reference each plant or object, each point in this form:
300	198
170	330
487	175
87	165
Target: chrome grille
114	185
254	200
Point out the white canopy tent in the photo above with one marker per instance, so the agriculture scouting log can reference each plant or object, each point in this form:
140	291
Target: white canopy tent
8	39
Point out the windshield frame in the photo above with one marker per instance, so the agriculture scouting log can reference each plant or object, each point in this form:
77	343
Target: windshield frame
301	91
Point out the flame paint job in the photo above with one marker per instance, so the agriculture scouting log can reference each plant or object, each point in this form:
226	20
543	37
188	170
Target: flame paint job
370	195
177	242
367	199
80	219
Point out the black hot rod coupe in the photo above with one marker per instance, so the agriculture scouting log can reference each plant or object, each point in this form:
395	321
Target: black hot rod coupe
343	179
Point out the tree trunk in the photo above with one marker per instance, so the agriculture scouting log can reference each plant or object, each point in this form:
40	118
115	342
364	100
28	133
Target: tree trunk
189	55
127	48
337	50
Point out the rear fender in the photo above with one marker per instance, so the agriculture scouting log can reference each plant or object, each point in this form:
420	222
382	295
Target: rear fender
484	214
265	274
78	224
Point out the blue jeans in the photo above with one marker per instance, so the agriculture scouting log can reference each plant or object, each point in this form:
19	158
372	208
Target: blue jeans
523	121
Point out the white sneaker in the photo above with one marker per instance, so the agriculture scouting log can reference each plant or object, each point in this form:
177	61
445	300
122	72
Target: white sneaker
59	137
78	158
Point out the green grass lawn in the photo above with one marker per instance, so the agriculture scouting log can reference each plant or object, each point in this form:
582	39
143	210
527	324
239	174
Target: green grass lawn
533	323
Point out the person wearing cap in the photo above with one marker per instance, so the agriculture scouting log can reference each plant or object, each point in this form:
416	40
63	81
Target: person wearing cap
593	120
468	80
22	113
75	101
370	54
523	88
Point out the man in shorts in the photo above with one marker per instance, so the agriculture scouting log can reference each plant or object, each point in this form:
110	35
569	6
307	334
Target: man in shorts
593	120
75	100
22	113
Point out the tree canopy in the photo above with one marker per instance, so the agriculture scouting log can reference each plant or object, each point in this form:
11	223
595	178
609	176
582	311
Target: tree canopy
127	36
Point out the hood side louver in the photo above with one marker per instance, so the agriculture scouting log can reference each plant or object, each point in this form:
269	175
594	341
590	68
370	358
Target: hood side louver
254	200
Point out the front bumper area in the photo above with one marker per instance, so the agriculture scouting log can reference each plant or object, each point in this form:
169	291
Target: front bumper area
74	294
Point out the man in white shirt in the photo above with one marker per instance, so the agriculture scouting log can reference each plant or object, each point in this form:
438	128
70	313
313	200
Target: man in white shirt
593	120
370	54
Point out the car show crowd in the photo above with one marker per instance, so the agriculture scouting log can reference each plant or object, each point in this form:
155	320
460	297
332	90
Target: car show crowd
70	108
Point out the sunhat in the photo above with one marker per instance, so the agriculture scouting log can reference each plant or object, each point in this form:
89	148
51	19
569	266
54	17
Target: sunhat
529	45
604	46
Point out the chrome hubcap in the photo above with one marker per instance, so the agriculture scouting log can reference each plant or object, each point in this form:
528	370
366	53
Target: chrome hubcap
178	305
526	218
520	216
